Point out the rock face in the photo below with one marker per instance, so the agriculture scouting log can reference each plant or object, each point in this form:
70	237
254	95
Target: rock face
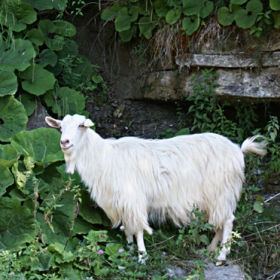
211	272
248	67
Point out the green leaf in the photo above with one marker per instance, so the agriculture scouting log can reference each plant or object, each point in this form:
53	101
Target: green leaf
59	5
64	256
226	16
172	16
258	206
19	56
91	212
97	79
112	12
199	7
16	224
37	80
47	57
64	28
274	5
42	144
81	226
184	131
28	102
112	248
204	239
133	11
6	179
35	36
13	118
276	17
62	217
8	155
8	83
190	24
123	20
146	26
238	2
207	9
161	8
17	15
67	101
247	18
53	41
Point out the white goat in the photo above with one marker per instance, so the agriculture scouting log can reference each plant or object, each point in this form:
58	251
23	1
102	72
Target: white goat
135	179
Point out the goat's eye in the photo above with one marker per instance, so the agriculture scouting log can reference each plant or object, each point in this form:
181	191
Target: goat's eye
81	125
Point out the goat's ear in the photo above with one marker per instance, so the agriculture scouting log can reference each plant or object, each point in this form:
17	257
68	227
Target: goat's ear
88	123
53	122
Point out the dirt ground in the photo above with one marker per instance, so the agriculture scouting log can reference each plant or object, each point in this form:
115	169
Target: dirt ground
145	119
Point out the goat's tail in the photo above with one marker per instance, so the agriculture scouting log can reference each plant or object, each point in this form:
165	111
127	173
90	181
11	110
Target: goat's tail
249	146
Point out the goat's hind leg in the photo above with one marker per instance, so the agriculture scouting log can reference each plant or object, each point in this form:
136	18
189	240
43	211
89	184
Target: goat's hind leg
227	233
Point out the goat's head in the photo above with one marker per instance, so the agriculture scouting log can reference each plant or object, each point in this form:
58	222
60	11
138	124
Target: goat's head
72	130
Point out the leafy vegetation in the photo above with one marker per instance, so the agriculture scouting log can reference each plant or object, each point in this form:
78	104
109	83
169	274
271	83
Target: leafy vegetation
144	17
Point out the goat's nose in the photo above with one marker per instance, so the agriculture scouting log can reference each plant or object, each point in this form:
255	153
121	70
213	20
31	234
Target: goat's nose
63	142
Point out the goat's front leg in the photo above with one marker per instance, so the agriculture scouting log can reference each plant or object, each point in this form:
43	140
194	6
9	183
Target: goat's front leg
141	246
214	243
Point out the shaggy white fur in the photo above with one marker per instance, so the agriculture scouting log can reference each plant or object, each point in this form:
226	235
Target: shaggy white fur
135	179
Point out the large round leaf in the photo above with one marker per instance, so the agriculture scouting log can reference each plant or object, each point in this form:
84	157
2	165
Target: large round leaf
246	18
47	4
67	101
35	36
37	80
190	24
112	12
6	179
65	28
47	57
172	16
161	8
226	15
13	118
29	103
19	56
42	144
123	20
8	83
274	5
126	35
16	224
17	15
146	26
276	17
200	8
8	155
53	41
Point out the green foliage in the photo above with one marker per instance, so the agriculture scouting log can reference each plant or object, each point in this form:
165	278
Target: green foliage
39	58
208	112
188	15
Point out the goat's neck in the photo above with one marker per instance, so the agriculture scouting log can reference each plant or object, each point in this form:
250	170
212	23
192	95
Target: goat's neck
89	150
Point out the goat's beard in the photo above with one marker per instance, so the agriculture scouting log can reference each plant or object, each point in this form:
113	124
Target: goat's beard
70	165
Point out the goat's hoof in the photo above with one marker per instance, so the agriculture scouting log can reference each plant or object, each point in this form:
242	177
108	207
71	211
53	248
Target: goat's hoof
221	263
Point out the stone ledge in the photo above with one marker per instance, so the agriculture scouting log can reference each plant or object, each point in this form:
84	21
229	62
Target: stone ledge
237	60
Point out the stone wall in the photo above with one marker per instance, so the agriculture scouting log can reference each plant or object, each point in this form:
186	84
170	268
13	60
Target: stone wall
248	67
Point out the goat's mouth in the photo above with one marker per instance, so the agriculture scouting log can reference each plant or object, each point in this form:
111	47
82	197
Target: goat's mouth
65	149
